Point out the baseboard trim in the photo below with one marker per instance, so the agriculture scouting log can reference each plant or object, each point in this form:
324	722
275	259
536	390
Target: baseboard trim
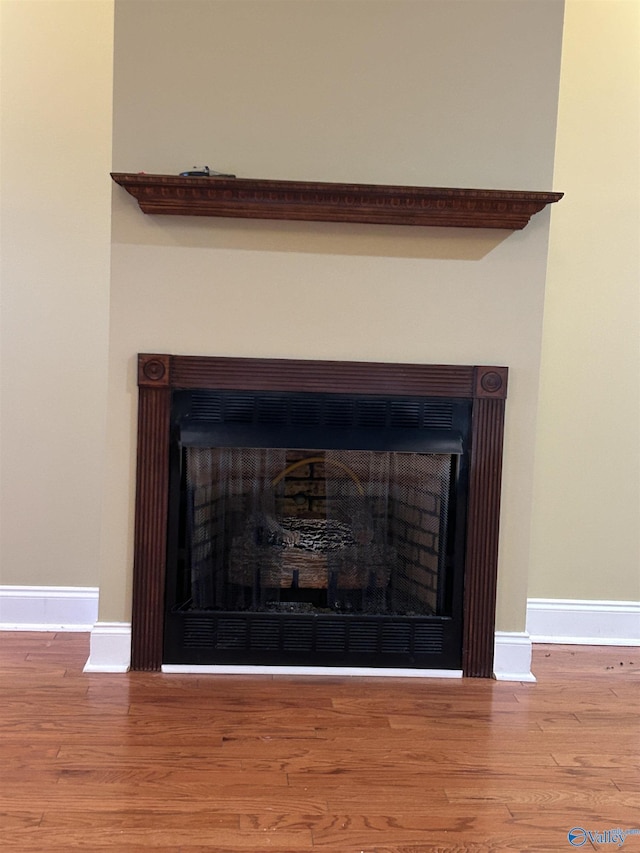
48	608
110	647
588	623
512	656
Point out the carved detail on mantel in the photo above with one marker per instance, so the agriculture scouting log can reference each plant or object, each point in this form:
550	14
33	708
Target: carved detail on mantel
249	198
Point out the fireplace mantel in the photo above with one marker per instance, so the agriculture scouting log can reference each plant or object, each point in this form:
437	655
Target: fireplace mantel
249	198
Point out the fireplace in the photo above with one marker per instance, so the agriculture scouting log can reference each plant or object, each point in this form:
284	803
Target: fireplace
316	513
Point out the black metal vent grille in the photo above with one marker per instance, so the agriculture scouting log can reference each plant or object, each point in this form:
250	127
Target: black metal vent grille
255	638
317	410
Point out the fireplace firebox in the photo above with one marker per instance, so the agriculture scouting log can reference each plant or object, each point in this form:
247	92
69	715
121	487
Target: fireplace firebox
316	513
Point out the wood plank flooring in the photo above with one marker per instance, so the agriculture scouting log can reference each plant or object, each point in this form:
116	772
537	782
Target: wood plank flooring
236	764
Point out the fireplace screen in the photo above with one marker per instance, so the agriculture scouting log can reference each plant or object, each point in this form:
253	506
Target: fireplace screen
315	530
305	530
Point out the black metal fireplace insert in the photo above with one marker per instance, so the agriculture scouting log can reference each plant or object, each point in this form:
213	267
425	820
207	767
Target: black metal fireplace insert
316	529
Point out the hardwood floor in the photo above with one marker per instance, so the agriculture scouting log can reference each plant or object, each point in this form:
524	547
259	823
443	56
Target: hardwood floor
236	764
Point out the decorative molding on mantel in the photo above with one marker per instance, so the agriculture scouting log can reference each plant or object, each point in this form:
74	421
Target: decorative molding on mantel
249	198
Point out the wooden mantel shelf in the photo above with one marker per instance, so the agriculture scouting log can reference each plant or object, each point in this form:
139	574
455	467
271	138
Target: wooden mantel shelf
248	198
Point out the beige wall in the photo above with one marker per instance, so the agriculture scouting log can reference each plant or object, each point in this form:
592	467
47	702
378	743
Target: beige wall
586	523
478	113
55	154
380	91
458	94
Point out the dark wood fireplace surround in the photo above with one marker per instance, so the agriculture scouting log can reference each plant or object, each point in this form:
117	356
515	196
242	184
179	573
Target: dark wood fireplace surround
160	374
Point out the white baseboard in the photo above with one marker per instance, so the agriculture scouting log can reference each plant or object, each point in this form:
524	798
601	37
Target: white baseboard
110	647
48	608
565	621
589	623
512	656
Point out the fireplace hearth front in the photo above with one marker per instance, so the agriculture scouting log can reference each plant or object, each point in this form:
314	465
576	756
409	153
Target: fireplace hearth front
316	513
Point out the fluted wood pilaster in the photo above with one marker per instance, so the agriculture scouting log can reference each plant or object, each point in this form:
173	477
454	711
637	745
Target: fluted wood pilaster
152	493
482	537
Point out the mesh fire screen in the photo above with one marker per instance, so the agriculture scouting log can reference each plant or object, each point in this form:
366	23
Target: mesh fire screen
274	530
